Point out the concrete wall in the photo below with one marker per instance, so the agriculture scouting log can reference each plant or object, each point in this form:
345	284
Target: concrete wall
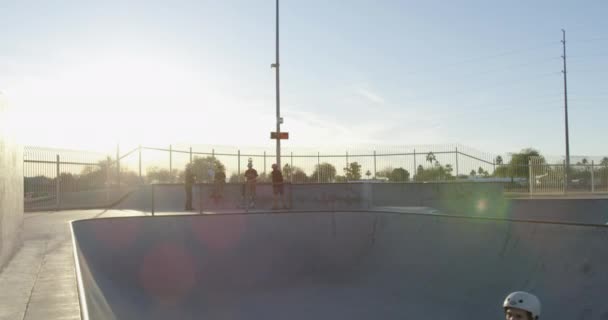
11	185
462	198
342	265
467	198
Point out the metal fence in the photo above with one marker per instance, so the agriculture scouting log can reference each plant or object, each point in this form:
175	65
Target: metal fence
64	179
430	163
584	178
75	179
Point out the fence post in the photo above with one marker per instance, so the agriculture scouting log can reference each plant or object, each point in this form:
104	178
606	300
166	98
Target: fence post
152	199
531	179
238	172
171	162
213	153
374	164
415	167
200	198
140	180
190	154
264	162
346	175
291	172
457	169
565	176
318	167
118	166
58	185
109	161
592	177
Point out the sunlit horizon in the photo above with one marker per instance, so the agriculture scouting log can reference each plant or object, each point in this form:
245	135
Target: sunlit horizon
93	78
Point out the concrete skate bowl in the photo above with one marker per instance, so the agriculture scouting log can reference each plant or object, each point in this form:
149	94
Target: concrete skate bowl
594	211
338	265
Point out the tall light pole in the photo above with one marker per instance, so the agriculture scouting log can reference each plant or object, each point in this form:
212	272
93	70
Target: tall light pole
276	65
566	111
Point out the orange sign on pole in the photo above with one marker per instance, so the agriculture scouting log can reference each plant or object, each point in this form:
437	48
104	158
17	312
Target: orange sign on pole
282	135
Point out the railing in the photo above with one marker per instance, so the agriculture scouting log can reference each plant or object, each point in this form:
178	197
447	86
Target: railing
582	178
63	179
433	163
60	179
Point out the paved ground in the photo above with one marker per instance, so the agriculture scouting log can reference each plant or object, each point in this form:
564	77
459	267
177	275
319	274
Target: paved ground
364	262
39	282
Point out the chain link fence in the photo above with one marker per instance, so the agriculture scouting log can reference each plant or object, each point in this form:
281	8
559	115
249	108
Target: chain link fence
422	163
63	179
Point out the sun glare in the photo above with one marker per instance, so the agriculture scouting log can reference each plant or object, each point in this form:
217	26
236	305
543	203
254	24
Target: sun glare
99	102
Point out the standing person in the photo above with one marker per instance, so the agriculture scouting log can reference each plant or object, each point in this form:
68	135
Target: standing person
277	187
521	305
251	176
190	180
219	180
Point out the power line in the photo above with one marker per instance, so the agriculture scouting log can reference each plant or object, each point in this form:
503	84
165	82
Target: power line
601	54
594	39
482	58
511	67
506	83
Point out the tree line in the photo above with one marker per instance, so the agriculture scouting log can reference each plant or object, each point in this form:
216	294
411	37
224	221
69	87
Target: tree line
104	174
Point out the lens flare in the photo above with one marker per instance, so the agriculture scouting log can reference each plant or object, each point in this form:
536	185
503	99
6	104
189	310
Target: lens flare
167	273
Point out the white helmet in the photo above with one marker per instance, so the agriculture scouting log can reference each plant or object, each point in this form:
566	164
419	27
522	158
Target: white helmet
524	301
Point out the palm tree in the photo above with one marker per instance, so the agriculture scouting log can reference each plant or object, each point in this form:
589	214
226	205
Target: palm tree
498	160
430	157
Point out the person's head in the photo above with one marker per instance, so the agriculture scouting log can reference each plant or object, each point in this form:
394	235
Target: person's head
521	305
275	167
250	163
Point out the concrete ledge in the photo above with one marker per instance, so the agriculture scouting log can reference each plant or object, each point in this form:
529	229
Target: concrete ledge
11	186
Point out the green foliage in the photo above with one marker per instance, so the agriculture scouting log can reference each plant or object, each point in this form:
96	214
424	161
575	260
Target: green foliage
299	176
518	165
430	157
201	168
502	171
385	173
435	173
324	173
294	174
399	175
519	162
498	161
234	178
157	175
482	172
341	179
353	171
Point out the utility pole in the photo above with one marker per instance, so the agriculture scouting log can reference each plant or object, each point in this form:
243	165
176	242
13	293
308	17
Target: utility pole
566	111
276	65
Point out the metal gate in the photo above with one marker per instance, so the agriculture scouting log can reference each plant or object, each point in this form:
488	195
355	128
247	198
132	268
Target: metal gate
546	178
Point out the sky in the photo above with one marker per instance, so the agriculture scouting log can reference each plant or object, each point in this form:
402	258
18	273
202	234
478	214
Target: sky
486	74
